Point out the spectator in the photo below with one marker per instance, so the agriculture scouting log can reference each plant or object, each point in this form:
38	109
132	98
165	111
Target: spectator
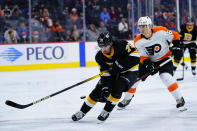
11	37
120	13
79	5
1	12
89	10
68	36
92	33
35	37
123	29
45	13
94	15
24	38
16	12
45	19
22	28
65	14
76	33
102	27
58	30
7	12
104	16
79	22
73	15
113	13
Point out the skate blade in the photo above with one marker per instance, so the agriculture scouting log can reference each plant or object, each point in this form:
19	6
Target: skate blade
181	109
121	108
100	122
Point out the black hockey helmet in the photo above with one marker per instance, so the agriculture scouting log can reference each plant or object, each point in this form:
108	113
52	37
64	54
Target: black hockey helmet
189	19
104	39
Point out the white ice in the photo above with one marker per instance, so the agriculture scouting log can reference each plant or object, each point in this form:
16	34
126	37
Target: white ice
152	109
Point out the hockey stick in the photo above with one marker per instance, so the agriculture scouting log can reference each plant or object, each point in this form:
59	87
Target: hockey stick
19	106
180	79
144	76
147	74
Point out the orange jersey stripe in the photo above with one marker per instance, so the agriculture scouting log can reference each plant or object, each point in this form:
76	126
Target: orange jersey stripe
142	58
132	90
138	37
158	28
173	87
166	55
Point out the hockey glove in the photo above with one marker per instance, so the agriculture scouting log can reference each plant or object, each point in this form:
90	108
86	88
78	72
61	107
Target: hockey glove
178	44
150	67
177	52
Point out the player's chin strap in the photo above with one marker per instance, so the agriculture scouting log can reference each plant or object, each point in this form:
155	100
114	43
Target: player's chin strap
147	74
19	106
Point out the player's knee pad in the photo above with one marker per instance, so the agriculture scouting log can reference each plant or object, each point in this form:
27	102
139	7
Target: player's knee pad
167	79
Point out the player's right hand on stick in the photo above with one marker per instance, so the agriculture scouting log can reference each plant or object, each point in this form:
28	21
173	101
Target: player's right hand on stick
150	67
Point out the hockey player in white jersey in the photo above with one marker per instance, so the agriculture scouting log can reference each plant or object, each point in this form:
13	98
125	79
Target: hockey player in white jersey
153	47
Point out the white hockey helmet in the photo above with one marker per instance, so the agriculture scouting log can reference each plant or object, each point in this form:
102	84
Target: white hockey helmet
144	21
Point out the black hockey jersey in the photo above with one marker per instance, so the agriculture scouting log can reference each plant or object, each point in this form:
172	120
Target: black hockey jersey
121	54
188	35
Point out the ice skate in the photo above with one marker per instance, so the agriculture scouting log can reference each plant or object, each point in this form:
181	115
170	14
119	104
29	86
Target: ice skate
123	104
77	116
103	116
180	104
194	72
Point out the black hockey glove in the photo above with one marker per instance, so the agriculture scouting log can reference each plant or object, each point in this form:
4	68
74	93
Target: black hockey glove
115	70
177	45
150	67
177	50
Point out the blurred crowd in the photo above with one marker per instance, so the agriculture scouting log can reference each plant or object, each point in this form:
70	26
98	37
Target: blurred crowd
62	20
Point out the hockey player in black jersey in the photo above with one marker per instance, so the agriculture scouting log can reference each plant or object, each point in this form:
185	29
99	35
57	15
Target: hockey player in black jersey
115	57
188	33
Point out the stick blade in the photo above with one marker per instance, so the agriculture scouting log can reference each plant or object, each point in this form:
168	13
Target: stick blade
13	104
179	79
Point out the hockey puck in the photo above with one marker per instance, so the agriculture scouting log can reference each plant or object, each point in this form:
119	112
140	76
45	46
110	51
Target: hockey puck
82	97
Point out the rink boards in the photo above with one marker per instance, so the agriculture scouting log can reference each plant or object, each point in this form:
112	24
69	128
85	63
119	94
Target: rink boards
15	57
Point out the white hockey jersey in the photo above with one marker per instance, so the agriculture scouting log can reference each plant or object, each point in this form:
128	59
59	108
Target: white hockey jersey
156	47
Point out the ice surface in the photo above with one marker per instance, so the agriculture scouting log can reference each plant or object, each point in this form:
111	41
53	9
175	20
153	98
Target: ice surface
152	109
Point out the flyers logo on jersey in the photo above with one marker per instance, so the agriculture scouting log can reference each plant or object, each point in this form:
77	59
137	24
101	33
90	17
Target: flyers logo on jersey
151	50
